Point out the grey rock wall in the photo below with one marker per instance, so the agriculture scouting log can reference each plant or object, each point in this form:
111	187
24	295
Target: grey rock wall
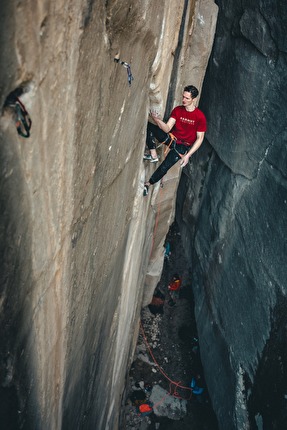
232	207
81	250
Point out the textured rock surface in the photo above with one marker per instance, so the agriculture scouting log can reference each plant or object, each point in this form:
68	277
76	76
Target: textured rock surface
77	237
234	217
167	405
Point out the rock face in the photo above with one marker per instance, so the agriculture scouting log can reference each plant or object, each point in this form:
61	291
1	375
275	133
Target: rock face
167	405
232	210
77	237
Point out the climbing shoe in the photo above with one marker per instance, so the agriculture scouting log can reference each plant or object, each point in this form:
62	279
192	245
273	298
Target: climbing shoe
145	191
154	160
148	157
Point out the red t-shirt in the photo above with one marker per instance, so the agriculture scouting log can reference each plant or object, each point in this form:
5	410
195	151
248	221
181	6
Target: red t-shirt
187	124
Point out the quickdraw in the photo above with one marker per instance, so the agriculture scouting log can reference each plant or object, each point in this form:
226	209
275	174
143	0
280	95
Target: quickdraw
128	67
22	119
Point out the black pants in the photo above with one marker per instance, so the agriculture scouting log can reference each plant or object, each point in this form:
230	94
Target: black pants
154	132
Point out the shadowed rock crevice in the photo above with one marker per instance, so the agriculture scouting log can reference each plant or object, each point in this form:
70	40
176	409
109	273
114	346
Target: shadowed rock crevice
236	222
271	376
16	284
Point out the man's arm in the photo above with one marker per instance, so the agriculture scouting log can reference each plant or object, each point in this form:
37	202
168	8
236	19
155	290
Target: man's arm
195	146
166	127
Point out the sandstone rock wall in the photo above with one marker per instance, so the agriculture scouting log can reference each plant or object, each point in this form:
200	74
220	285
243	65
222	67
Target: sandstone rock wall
234	217
77	237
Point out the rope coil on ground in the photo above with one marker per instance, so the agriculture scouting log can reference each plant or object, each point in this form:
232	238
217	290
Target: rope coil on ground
171	382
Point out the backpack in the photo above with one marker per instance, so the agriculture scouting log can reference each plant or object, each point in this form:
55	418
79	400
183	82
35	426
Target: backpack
145	409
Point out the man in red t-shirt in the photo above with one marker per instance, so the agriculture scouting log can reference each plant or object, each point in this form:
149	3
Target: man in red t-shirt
187	124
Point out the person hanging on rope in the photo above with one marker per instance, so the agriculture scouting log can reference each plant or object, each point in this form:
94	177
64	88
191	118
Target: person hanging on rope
187	125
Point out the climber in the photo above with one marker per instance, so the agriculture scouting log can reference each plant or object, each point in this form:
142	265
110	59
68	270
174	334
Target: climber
187	124
173	289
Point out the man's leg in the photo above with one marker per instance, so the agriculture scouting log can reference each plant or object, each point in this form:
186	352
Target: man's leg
172	157
154	132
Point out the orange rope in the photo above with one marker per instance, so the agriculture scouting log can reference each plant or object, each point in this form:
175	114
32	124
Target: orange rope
173	139
171	382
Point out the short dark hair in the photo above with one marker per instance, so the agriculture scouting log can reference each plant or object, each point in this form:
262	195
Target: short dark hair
192	90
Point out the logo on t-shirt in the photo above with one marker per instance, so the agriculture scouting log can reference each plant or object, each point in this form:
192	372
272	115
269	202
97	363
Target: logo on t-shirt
187	121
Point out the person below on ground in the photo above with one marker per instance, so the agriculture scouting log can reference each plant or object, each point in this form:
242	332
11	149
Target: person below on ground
187	124
174	288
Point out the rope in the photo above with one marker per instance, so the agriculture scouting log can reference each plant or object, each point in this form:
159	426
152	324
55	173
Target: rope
173	139
172	391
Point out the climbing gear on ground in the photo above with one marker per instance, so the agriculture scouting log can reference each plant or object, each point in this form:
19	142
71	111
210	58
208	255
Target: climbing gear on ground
195	388
145	191
148	157
23	121
128	67
145	409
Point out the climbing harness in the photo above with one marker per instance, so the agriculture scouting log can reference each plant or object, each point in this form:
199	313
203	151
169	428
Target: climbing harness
172	145
128	67
23	121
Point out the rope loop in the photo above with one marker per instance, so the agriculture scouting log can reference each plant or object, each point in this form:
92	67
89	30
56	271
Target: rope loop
177	385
